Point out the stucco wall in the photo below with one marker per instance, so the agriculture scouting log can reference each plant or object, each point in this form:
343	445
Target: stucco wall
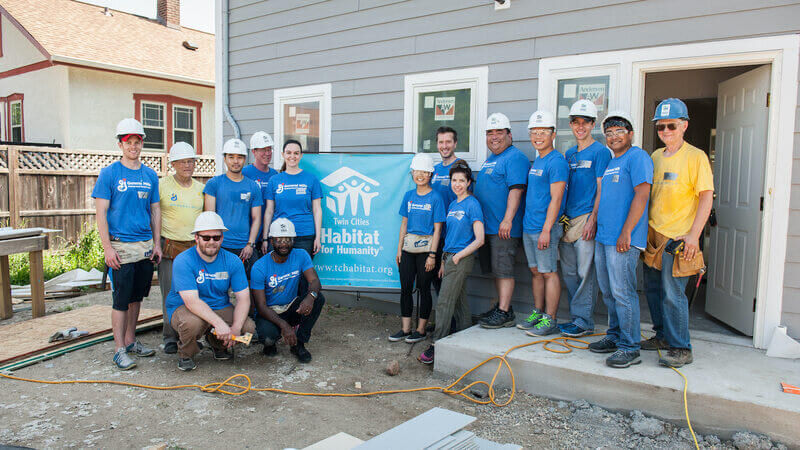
44	109
17	49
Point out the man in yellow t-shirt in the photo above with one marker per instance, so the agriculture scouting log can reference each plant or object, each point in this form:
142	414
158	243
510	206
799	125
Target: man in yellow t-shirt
680	203
181	203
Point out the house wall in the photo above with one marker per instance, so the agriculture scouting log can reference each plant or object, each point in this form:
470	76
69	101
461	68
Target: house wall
365	47
17	49
99	99
46	94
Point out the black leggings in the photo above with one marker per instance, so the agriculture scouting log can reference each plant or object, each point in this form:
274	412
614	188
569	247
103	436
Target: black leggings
412	266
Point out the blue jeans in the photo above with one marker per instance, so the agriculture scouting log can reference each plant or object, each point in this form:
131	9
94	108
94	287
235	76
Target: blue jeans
616	275
669	307
580	279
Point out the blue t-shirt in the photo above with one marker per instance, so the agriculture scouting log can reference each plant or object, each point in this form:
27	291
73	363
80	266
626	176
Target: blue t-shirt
130	194
211	280
262	179
293	195
622	174
585	167
460	217
492	184
544	172
440	181
233	202
422	211
280	282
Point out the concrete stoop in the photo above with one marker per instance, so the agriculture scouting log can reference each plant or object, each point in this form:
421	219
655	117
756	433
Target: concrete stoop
731	387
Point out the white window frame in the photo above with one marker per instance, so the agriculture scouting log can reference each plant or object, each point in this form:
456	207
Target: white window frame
194	123
166	131
3	131
781	52
476	78
21	125
315	93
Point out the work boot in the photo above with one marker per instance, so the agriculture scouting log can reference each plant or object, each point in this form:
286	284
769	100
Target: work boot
122	360
676	357
546	326
604	345
222	354
623	358
531	320
171	348
186	364
139	350
300	352
653	343
498	319
270	350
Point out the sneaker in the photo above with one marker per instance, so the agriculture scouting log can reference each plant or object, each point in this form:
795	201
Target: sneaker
270	350
399	336
676	357
122	360
171	348
546	326
488	312
531	320
300	352
416	336
426	357
654	343
604	345
498	319
186	364
572	330
623	358
140	350
222	354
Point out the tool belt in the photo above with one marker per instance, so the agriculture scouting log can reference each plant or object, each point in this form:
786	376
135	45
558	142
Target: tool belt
417	243
172	249
573	228
656	245
131	252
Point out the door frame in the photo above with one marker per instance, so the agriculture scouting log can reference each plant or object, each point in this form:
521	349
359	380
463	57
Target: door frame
783	53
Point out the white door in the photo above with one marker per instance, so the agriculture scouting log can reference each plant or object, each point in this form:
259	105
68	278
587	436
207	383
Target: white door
741	146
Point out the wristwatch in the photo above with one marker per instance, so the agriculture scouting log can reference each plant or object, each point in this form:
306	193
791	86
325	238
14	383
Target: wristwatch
432	254
313	294
252	244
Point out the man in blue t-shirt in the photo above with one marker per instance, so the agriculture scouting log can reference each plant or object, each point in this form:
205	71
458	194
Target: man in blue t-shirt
587	162
446	143
198	303
276	289
129	225
621	236
237	199
260	172
499	187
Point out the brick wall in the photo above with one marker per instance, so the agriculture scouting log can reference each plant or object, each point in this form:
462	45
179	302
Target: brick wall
169	11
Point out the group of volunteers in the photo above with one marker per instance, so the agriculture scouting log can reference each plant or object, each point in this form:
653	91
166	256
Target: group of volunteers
251	231
598	209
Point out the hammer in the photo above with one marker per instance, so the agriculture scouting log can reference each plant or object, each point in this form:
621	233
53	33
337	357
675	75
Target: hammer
244	339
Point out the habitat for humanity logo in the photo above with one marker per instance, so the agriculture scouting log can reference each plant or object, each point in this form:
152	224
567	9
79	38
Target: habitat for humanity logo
347	188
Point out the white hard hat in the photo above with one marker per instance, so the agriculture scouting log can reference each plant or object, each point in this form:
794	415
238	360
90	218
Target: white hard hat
584	108
282	227
234	147
618	113
130	126
542	119
497	121
181	150
208	221
260	139
423	162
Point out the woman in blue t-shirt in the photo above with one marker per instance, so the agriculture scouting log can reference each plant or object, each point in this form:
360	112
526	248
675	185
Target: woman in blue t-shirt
295	194
423	212
464	236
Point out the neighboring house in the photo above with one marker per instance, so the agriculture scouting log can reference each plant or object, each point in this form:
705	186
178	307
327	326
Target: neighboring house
69	71
380	76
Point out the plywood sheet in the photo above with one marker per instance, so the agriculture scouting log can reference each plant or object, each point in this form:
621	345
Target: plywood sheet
30	337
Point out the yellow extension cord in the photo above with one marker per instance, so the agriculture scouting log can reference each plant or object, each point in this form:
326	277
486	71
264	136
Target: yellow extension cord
218	387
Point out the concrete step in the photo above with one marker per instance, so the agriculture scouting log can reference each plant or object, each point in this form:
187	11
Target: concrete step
731	387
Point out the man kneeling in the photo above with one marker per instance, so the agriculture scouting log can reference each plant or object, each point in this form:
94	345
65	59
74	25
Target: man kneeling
275	281
198	300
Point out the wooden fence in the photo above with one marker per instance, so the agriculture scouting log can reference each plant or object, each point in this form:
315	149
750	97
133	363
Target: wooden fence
52	187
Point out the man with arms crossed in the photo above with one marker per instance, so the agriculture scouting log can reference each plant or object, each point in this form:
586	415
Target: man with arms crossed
260	172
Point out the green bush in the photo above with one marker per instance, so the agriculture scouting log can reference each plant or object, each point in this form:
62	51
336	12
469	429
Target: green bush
84	254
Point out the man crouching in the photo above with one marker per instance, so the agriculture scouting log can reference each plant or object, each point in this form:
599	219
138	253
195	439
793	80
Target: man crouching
198	301
275	279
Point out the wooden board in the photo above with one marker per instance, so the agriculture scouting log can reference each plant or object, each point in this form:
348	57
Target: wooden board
27	338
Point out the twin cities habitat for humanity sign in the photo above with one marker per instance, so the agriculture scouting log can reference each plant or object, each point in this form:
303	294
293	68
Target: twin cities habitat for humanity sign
361	194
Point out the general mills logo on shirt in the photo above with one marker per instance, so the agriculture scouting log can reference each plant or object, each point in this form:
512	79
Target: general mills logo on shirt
419	206
273	281
122	185
349	188
279	189
582	164
614	173
536	172
174	197
245	196
457	214
444	180
488	167
202	276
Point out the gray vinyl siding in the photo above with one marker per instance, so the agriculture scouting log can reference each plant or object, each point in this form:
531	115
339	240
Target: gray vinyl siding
365	47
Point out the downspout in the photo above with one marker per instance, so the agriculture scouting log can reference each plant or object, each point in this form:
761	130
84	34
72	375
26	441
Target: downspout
226	109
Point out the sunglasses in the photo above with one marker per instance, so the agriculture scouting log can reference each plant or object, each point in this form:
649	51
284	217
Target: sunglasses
619	132
669	126
207	238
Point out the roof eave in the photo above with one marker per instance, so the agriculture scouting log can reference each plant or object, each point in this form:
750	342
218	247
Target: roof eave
68	60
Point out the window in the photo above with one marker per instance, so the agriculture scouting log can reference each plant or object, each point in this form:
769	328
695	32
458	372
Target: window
16	122
304	114
457	99
594	89
183	124
154	125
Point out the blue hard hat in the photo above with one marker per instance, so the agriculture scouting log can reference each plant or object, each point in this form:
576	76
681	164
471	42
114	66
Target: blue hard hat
671	108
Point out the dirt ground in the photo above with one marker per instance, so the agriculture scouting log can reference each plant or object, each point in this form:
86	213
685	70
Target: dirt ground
348	346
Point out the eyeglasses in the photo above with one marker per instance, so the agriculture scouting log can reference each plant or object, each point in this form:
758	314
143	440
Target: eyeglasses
207	238
616	133
539	133
283	240
672	126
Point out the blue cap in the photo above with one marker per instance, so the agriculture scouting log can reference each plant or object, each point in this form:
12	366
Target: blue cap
671	108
